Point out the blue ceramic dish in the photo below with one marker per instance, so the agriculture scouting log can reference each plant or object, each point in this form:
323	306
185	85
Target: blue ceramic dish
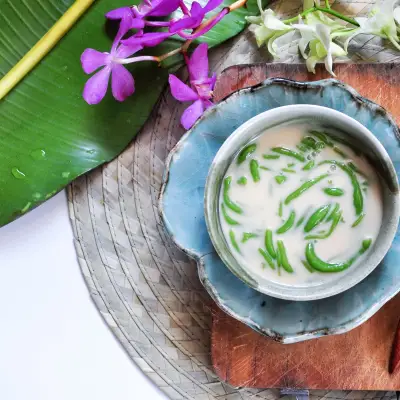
182	209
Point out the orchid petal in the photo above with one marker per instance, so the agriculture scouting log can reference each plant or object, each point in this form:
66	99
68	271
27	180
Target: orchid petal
366	24
96	87
306	29
261	33
211	5
137	23
347	41
311	62
272	47
253	19
147	40
307	33
314	49
180	90
196	17
198	63
337	51
323	33
92	59
122	83
163	8
141	10
184	23
320	50
394	42
124	26
192	114
272	22
197	10
396	14
119	13
329	63
319	17
124	51
387	7
303	43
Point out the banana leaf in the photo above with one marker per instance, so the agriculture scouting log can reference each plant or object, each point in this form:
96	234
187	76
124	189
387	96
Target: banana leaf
48	134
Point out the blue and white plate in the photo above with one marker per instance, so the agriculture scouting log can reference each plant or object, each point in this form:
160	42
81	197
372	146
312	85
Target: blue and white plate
182	209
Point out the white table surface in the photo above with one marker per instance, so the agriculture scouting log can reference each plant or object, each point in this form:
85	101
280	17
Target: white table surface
53	343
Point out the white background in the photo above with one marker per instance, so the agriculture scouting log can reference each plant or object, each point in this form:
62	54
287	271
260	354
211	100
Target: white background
53	342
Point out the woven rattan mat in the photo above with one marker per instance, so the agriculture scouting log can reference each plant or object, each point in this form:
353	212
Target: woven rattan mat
148	291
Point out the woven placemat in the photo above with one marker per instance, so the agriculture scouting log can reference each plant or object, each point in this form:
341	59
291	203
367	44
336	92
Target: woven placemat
147	290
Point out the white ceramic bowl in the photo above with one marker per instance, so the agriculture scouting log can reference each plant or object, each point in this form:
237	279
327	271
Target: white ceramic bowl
357	136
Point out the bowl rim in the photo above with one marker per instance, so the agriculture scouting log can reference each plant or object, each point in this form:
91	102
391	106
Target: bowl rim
247	132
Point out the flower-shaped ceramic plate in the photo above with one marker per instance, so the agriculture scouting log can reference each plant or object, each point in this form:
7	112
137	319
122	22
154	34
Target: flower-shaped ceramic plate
182	209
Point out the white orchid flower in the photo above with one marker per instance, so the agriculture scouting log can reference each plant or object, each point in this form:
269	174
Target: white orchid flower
381	22
317	37
321	18
267	28
396	15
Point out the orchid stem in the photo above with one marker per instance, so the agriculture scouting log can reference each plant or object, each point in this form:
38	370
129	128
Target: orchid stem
325	10
237	4
169	54
183	7
338	15
136	59
395	44
327	5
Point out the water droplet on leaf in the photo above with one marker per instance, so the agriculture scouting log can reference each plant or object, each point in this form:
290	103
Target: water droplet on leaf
17	173
48	195
26	208
38	154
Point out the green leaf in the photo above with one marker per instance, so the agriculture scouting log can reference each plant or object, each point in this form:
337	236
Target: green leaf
48	134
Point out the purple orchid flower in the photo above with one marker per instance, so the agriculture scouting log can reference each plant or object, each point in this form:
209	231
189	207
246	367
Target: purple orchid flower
193	19
122	82
200	90
136	15
146	40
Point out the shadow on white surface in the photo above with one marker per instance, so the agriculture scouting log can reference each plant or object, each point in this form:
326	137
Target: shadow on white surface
53	343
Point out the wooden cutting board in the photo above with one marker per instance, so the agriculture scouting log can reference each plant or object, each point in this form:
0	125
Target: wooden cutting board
357	360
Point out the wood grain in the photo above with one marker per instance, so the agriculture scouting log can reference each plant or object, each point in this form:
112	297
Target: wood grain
394	363
356	360
378	82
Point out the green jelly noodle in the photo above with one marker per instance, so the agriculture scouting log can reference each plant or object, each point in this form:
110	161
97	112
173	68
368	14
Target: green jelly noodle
227	200
251	148
255	170
297	211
